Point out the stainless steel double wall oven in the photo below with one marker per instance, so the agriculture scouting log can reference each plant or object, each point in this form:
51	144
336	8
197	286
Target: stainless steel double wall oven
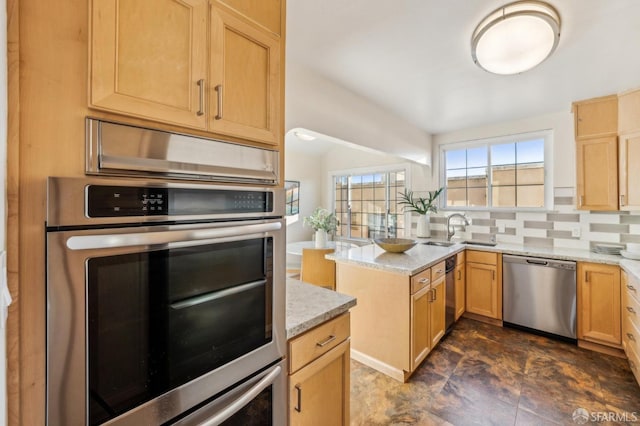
165	300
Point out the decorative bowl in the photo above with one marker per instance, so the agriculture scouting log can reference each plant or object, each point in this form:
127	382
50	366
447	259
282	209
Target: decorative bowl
395	245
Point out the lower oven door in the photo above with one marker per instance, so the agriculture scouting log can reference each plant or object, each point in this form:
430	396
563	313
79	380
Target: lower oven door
145	323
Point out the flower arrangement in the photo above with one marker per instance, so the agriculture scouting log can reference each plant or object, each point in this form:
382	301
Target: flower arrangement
420	205
322	219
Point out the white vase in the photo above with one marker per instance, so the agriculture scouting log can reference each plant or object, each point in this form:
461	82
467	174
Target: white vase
321	238
424	228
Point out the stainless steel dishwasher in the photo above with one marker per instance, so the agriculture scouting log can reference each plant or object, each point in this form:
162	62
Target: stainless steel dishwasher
540	295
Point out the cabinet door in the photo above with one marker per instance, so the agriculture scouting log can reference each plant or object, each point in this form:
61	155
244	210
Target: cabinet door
437	308
629	155
319	393
599	315
460	289
420	346
596	117
597	173
482	290
148	57
245	98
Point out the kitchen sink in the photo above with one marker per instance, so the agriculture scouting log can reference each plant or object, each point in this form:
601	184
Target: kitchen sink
439	243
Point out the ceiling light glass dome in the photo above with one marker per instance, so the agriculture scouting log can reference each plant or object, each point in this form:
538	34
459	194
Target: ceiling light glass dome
516	37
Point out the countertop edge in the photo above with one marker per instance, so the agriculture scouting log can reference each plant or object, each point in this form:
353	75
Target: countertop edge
309	306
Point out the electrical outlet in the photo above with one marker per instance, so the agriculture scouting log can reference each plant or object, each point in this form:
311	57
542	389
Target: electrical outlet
501	228
576	231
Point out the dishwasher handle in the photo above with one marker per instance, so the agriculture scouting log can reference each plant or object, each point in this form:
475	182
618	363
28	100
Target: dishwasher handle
538	262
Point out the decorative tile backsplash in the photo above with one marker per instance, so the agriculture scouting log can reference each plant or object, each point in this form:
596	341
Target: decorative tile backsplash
555	228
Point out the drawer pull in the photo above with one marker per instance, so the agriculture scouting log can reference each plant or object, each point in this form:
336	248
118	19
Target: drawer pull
459	274
298	406
630	309
630	287
423	280
630	336
439	271
326	341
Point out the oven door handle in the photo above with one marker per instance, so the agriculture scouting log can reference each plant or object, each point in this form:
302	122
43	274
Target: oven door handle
89	242
234	406
215	295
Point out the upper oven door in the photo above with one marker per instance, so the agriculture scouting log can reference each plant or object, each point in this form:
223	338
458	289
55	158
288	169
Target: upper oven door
150	321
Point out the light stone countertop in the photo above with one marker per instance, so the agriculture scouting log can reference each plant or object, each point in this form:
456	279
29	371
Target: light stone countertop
309	305
423	256
632	267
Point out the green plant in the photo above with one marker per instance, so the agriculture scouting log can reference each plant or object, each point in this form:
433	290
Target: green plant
418	204
322	219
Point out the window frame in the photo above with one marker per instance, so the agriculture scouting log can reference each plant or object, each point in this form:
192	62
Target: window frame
546	135
402	167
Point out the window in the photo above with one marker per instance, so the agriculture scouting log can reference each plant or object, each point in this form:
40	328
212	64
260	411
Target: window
292	197
366	204
498	173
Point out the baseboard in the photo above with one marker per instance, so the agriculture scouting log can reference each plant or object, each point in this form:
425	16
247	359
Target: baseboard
596	347
394	373
482	318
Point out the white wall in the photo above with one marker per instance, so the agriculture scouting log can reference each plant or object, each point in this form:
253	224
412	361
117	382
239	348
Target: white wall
564	163
315	103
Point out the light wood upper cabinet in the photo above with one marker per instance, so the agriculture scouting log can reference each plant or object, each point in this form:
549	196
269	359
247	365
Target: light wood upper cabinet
214	66
629	112
629	172
596	117
244	86
597	173
147	57
484	284
599	298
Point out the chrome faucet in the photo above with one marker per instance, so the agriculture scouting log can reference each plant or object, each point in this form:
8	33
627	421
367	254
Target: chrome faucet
450	229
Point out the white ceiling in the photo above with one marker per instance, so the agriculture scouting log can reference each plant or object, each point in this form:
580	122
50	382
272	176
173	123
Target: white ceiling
413	57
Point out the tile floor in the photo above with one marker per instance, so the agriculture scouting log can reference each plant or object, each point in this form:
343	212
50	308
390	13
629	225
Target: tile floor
485	375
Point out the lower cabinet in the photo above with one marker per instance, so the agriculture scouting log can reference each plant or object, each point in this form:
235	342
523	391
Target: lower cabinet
631	322
427	320
460	285
598	300
319	375
484	283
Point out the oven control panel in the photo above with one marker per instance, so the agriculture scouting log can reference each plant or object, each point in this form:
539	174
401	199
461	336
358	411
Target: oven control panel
120	201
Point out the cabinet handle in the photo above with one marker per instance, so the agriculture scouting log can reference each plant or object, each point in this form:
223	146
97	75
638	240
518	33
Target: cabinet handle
630	336
621	200
459	274
201	91
586	276
581	200
439	271
630	287
326	341
298	406
630	309
423	280
493	275
219	92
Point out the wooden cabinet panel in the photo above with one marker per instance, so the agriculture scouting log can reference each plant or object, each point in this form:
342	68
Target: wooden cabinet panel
264	12
460	277
420	280
437	271
319	393
486	257
482	290
629	172
634	363
596	117
245	98
437	309
314	343
420	341
597	173
599	298
629	112
147	57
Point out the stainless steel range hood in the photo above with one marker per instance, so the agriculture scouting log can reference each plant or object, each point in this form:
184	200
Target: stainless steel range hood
124	150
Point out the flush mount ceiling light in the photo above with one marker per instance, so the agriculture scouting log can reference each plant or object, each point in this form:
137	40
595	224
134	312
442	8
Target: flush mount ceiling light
516	37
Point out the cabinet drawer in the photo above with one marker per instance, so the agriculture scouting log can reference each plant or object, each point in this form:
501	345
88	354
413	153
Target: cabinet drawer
437	271
630	308
460	258
634	362
420	280
485	257
630	335
318	341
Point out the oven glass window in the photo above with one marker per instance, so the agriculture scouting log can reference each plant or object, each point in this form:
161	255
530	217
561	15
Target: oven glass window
159	319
